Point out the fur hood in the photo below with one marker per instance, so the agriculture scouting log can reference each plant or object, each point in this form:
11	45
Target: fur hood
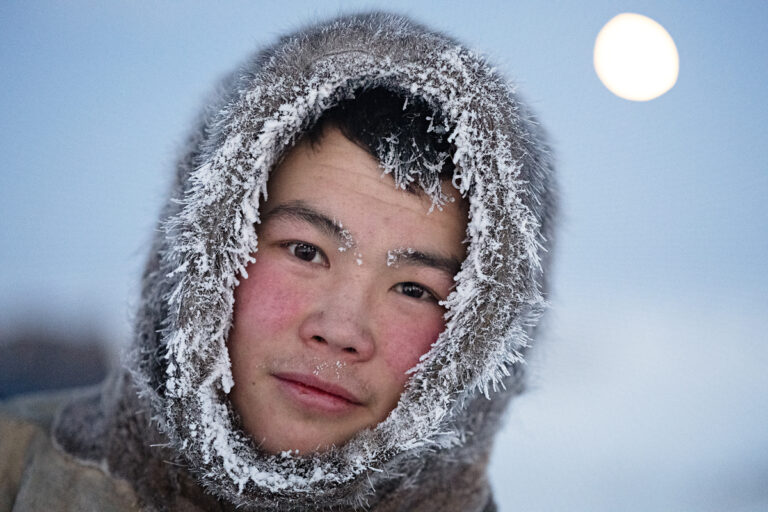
441	430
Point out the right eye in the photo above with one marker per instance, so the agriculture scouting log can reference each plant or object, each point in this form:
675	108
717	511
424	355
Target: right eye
306	252
415	291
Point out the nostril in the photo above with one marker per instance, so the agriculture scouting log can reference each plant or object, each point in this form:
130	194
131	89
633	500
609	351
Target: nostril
319	339
350	350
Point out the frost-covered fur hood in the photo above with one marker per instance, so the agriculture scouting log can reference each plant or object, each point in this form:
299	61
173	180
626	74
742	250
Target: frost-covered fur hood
440	433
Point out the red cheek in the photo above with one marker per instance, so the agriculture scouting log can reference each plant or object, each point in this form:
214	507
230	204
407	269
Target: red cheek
408	341
269	299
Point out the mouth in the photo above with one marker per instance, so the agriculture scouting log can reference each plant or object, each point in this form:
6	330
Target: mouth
313	393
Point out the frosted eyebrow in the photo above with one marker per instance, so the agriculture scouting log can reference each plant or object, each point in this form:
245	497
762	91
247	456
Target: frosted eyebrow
300	210
418	258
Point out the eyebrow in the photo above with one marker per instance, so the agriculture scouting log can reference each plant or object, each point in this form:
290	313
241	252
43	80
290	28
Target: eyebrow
299	210
414	257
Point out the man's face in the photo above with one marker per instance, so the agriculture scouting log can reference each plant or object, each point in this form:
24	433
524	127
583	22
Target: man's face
342	299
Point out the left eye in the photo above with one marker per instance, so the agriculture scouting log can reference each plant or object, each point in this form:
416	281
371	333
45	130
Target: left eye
306	252
414	290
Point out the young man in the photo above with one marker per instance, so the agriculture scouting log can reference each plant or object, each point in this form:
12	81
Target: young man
346	290
337	303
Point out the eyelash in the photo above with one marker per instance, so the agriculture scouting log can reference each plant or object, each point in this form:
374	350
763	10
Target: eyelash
428	295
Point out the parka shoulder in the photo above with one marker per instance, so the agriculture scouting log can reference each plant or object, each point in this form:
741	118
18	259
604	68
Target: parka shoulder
36	475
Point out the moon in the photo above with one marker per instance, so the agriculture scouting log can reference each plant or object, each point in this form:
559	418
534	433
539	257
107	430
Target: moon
636	58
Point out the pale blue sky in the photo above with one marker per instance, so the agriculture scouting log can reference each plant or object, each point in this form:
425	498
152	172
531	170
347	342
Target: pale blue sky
661	255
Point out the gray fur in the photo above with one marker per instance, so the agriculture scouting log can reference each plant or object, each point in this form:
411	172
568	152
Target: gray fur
441	432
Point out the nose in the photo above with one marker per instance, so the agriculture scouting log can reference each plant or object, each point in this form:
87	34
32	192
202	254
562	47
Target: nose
340	324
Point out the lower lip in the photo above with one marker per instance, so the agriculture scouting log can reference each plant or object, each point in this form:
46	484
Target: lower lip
313	398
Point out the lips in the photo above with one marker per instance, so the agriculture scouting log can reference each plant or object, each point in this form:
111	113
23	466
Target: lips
313	393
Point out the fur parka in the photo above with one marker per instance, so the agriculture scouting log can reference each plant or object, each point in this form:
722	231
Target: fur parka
166	427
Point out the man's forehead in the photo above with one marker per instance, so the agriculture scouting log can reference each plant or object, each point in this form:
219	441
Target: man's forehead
332	137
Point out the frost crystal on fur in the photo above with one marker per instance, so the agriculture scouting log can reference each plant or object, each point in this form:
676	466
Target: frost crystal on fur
456	393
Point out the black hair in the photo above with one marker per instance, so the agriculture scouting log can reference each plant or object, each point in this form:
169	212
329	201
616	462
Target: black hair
404	133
